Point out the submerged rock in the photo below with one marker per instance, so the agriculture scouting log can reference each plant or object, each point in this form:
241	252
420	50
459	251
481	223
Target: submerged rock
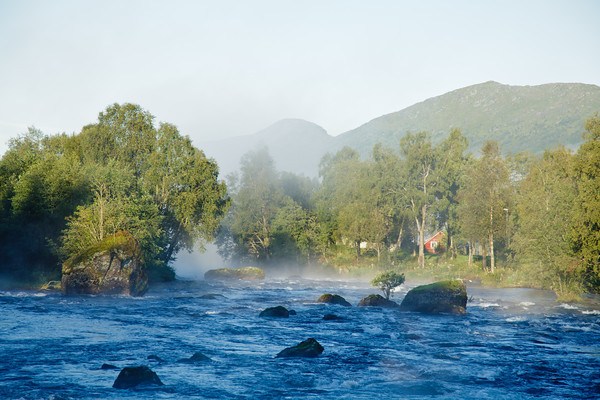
308	348
376	300
244	274
133	376
332	317
275	312
112	266
439	297
196	358
108	366
153	357
333	299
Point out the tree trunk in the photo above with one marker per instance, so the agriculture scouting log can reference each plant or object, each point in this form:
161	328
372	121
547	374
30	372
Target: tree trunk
421	259
470	244
484	260
492	261
491	237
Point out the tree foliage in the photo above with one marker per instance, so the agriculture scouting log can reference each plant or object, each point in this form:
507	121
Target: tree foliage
387	281
62	194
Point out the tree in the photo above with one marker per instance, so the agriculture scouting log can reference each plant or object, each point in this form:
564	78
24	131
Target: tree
420	162
386	281
255	205
586	227
484	197
451	169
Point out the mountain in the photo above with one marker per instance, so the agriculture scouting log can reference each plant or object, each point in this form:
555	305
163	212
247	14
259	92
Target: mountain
295	145
520	118
532	118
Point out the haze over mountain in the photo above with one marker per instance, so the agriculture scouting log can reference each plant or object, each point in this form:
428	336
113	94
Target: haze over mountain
520	118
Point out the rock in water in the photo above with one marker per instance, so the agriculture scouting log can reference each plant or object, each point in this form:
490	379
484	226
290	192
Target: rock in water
333	299
439	297
196	358
376	300
133	376
308	348
244	274
275	312
112	266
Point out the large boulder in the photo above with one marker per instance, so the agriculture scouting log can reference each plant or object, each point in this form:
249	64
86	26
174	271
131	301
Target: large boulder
333	299
275	312
244	274
308	348
112	266
376	300
439	297
133	376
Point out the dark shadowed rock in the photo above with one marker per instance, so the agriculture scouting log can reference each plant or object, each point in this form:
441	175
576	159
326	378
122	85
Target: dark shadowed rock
376	300
108	366
133	376
293	312
112	266
332	317
333	299
275	312
440	297
308	348
244	274
196	358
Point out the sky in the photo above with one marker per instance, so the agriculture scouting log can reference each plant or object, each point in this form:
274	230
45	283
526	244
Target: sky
218	69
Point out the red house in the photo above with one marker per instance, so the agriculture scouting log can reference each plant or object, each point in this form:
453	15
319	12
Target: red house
436	243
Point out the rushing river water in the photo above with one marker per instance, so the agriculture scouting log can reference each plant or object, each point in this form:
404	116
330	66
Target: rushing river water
512	344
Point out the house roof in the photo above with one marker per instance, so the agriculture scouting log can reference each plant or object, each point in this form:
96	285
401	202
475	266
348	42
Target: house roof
434	236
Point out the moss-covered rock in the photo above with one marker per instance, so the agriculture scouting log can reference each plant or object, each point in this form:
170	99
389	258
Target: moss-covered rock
376	300
133	376
52	286
275	312
308	348
440	297
244	273
333	299
113	266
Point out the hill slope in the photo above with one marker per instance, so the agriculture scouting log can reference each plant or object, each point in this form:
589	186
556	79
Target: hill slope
520	118
295	145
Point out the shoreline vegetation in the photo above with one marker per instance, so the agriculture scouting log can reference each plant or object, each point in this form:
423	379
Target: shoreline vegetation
426	209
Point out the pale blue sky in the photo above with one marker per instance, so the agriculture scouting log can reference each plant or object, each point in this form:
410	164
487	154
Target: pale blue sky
226	68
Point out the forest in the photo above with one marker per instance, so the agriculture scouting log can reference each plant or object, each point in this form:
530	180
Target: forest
523	219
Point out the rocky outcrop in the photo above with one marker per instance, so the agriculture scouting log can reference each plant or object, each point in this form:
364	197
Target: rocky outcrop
275	312
333	299
113	266
376	300
244	274
130	377
308	348
448	297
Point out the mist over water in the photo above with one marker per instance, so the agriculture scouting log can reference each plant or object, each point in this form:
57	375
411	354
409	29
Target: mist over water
512	344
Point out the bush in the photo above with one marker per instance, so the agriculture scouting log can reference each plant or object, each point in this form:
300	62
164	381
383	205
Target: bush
386	281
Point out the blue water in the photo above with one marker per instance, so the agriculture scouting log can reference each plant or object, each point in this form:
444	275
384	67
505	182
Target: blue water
513	343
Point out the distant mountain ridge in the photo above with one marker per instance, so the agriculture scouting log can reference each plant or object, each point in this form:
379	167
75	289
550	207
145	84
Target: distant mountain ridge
520	118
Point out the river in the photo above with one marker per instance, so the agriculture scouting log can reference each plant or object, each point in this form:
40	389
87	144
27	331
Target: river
512	344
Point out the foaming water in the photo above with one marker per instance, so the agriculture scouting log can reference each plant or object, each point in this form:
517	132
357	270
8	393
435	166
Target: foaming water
512	344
